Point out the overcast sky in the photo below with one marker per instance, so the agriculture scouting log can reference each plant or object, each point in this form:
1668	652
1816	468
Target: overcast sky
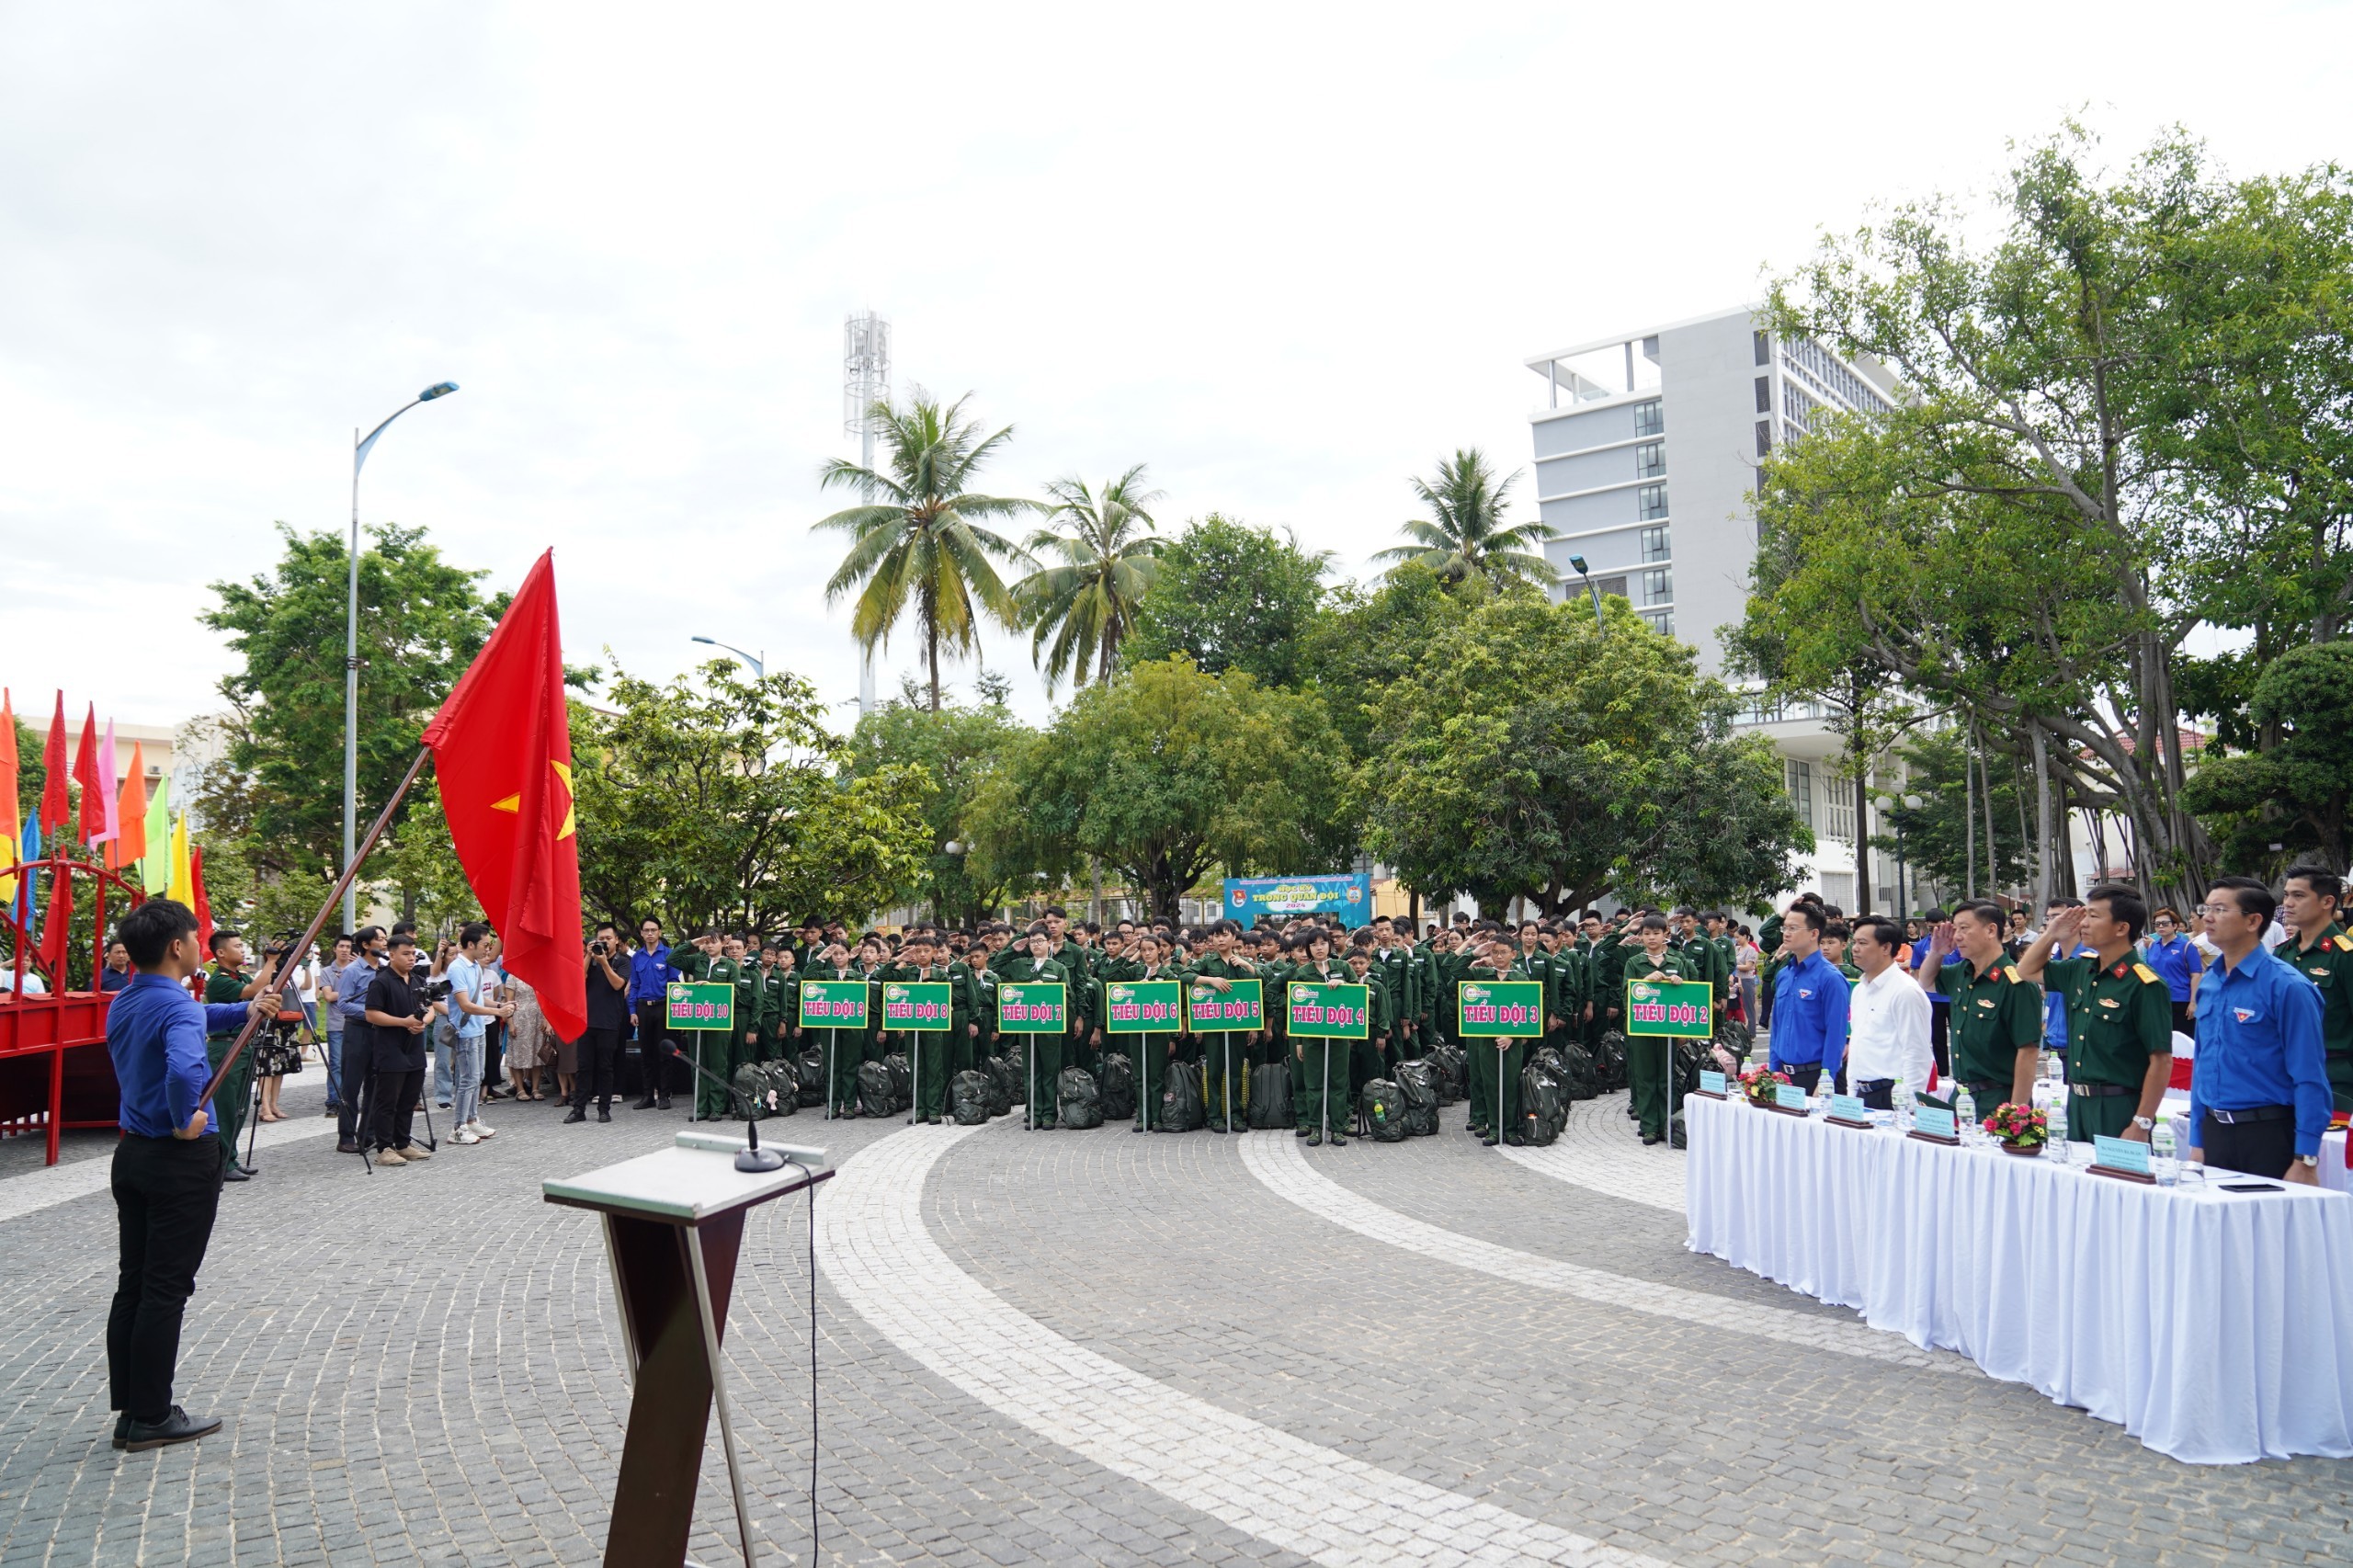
1287	256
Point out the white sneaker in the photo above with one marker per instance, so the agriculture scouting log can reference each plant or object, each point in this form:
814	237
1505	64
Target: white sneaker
479	1131
464	1137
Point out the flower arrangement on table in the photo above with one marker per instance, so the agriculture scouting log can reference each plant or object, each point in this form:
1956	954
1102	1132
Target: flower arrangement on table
1762	1085
2020	1128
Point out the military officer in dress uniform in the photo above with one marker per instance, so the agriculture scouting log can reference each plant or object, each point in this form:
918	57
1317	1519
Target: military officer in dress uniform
2120	1016
2323	953
1996	1030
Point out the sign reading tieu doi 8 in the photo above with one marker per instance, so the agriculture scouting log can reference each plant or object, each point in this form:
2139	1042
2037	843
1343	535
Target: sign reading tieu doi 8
918	1005
699	1005
1331	1012
1211	1011
1143	1007
832	1004
1500	1009
1670	1007
1032	1007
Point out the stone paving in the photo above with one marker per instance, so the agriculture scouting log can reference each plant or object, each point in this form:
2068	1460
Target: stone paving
1072	1347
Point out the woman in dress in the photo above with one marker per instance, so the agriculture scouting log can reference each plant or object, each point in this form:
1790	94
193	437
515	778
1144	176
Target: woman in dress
529	1043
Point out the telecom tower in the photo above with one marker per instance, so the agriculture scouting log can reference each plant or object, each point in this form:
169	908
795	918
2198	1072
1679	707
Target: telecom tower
866	381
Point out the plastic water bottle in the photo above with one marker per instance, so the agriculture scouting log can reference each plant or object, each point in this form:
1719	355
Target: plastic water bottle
2056	1148
2161	1153
1902	1098
1964	1110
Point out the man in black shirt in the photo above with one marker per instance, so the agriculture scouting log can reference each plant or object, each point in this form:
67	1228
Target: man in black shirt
398	1014
608	1020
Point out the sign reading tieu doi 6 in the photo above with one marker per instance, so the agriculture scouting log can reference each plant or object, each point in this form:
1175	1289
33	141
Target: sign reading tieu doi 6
1331	1012
918	1005
832	1004
1211	1011
1670	1007
697	1006
1143	1007
1032	1007
1500	1009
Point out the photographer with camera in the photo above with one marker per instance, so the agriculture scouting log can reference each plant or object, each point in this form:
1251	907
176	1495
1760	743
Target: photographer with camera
600	1048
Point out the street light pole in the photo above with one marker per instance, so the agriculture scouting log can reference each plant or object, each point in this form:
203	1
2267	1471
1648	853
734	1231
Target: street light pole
359	450
1577	564
760	664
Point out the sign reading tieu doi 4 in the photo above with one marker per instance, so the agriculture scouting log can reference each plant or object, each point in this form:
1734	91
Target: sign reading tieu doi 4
695	1005
1500	1009
1211	1011
1331	1012
1032	1007
919	1005
1670	1007
1143	1007
832	1004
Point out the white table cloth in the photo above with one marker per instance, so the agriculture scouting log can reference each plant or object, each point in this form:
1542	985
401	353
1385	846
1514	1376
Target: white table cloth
2215	1327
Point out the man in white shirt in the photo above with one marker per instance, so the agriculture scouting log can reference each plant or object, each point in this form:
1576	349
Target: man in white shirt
1887	1033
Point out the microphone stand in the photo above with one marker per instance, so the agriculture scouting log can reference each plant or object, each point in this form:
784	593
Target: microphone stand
753	1158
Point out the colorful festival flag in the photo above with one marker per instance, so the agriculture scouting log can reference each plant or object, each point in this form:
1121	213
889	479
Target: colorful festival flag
129	844
53	791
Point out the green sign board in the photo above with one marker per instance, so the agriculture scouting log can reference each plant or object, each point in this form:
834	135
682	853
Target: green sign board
1500	1009
1331	1012
1209	1010
920	1004
1032	1007
1683	1007
1143	1007
832	1004
694	1005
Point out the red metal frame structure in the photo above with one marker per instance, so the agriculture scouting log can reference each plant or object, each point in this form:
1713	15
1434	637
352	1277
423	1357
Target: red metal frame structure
53	1060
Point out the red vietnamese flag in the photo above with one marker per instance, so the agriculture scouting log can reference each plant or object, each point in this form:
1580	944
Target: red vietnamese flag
52	758
502	752
85	774
202	906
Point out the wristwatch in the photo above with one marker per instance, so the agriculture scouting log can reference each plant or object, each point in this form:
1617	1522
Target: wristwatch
2144	1123
2310	1162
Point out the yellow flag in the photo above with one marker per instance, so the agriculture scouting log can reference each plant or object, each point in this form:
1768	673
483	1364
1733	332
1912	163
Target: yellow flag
183	887
7	859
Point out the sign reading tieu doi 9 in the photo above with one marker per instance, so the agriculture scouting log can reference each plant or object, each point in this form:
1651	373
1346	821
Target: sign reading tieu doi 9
1500	1009
1670	1007
1032	1007
1331	1012
918	1005
1143	1007
832	1004
1211	1011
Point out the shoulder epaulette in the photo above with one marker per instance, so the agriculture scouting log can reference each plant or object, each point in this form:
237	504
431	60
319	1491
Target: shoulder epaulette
2344	943
2148	976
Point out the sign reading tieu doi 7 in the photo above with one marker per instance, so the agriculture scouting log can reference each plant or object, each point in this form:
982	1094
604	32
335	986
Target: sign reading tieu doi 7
1032	1007
1331	1012
1670	1007
1500	1009
1211	1011
919	1005
699	1005
1143	1007
832	1004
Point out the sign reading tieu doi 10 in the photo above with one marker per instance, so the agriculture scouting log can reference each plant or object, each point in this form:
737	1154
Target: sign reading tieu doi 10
1670	1007
697	1006
1500	1009
1347	898
1211	1011
1331	1012
832	1004
1032	1007
918	1005
1143	1007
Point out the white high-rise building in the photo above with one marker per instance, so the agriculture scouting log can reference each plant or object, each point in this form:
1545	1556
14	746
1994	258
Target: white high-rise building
1648	446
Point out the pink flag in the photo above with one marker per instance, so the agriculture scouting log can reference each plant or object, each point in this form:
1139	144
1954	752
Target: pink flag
113	828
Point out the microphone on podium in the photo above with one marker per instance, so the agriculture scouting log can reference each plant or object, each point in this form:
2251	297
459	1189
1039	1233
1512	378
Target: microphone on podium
753	1157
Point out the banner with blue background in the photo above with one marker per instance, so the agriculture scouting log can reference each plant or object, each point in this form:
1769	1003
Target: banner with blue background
1347	898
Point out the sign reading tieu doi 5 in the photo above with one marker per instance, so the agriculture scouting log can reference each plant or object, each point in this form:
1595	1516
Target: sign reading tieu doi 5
1670	1007
1032	1007
1143	1007
832	1004
696	1005
1211	1011
1500	1009
1331	1012
1347	897
918	1005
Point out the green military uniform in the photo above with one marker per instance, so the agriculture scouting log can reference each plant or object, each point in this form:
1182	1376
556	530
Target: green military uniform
1609	970
1307	1084
1148	1054
842	1048
2119	1015
1320	1097
721	1051
1046	1054
1372	1057
1709	961
2328	963
1994	1015
1649	1060
929	1051
230	1105
1491	1067
1226	1067
1395	968
778	1010
980	999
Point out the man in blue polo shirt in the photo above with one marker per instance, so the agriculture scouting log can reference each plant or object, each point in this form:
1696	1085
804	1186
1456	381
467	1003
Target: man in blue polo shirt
650	974
167	1167
1810	1004
2259	1100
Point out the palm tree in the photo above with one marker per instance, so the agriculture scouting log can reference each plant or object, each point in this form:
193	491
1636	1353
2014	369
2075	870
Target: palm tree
1469	539
1111	555
915	539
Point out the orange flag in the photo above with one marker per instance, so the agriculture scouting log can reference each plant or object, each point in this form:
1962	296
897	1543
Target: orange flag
130	843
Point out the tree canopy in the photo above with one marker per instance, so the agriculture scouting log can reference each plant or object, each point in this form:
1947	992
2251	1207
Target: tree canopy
1230	596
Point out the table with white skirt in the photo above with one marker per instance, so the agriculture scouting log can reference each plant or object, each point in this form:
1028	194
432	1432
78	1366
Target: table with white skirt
2216	1327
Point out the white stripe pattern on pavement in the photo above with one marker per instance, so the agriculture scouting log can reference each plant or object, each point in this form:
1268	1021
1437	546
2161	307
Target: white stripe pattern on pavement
1600	1150
874	1248
53	1185
1280	1164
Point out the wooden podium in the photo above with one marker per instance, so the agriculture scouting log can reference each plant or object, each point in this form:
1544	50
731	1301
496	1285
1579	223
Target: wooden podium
674	1224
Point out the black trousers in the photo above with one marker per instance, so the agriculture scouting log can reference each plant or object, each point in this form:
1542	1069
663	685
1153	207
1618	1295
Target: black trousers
166	1191
2184	1020
1940	1034
599	1051
396	1095
1877	1094
1804	1077
2258	1148
649	1031
352	1117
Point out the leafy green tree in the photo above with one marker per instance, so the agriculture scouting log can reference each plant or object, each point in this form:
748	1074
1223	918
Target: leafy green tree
1465	539
720	798
2292	800
1163	775
1083	607
1364	639
1537	757
918	542
1231	596
1941	842
957	748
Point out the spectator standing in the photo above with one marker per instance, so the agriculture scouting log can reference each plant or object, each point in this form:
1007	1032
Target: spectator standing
530	1045
600	1048
1939	1004
399	1014
2259	1100
356	1086
330	1006
116	972
2173	955
494	1035
650	974
468	1012
1888	1034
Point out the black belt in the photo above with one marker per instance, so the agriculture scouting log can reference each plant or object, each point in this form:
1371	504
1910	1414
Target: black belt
2256	1113
2098	1090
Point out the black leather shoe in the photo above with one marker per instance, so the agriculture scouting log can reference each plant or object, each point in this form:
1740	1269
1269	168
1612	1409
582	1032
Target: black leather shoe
603	1114
122	1429
347	1147
646	1104
662	1103
179	1426
577	1115
235	1173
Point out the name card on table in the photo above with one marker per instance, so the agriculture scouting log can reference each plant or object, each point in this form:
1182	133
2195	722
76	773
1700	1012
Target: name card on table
1712	1083
1850	1110
1789	1097
2121	1157
1932	1121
